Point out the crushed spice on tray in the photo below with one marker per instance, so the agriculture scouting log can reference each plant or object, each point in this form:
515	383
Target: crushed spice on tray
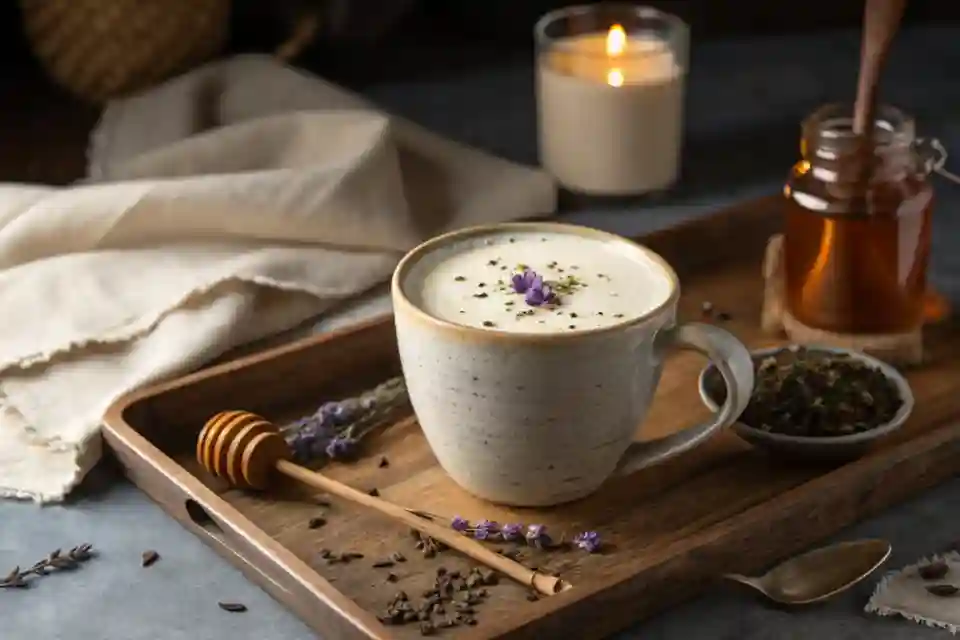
346	557
813	393
451	602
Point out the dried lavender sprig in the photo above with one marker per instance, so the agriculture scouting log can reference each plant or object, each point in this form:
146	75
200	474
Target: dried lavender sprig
336	429
55	561
352	413
534	535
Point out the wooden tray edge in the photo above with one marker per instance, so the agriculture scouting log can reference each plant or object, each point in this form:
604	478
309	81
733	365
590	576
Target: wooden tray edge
232	535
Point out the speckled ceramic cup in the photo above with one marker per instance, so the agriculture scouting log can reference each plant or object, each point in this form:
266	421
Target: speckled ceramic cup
538	419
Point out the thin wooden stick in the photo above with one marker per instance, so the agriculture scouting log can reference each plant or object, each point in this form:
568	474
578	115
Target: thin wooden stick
881	19
547	585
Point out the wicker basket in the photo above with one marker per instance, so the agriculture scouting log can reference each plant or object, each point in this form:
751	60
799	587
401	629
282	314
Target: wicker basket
101	49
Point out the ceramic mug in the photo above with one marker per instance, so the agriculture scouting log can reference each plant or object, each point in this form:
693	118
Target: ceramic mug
539	419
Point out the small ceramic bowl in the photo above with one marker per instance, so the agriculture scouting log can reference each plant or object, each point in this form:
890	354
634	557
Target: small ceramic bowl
814	449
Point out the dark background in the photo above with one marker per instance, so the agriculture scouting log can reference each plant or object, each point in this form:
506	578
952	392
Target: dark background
440	34
43	131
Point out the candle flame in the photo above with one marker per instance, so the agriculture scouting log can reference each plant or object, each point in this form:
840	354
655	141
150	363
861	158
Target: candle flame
616	43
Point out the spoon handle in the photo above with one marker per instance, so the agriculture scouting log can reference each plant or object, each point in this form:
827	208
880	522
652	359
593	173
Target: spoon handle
881	18
747	580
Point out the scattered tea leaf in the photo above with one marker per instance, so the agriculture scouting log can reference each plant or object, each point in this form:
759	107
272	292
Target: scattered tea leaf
148	557
383	462
383	564
933	571
316	523
374	492
232	607
943	590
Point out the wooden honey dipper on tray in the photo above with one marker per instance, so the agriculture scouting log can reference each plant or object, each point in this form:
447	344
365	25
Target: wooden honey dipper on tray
247	450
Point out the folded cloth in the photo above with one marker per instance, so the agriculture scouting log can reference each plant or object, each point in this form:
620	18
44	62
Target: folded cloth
230	204
904	593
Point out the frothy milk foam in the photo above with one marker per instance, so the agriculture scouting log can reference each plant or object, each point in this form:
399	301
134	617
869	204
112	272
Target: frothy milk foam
598	282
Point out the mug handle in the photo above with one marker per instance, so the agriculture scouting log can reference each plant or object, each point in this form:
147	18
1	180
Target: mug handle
735	365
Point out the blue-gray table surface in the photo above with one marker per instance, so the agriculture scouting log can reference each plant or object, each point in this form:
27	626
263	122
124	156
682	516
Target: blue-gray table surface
745	100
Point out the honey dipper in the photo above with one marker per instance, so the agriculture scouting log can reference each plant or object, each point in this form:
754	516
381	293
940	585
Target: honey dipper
246	450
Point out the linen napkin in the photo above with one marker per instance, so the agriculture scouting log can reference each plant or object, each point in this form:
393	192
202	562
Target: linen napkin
904	593
233	203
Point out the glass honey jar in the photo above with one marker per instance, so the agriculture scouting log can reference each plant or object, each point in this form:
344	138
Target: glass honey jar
857	228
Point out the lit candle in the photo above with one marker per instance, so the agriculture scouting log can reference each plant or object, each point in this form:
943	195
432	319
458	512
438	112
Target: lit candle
610	108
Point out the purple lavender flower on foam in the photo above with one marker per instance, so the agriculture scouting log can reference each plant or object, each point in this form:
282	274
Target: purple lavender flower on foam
589	541
341	448
539	294
536	291
459	524
511	532
522	282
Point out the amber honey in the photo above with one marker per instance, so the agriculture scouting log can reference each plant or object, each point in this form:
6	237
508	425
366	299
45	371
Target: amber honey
857	228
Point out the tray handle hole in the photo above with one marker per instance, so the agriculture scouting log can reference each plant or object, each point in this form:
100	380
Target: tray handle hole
200	517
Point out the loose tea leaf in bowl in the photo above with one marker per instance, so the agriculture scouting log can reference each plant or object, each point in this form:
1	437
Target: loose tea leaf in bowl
815	393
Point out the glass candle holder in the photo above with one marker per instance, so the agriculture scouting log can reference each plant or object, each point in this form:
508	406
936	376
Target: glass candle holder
610	86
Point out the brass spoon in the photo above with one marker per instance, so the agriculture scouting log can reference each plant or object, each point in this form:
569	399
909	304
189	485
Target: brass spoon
819	574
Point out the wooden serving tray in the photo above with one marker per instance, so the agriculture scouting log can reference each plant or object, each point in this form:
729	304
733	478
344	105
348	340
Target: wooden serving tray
670	529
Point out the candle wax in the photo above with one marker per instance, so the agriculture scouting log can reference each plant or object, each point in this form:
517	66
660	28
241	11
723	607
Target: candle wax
610	125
